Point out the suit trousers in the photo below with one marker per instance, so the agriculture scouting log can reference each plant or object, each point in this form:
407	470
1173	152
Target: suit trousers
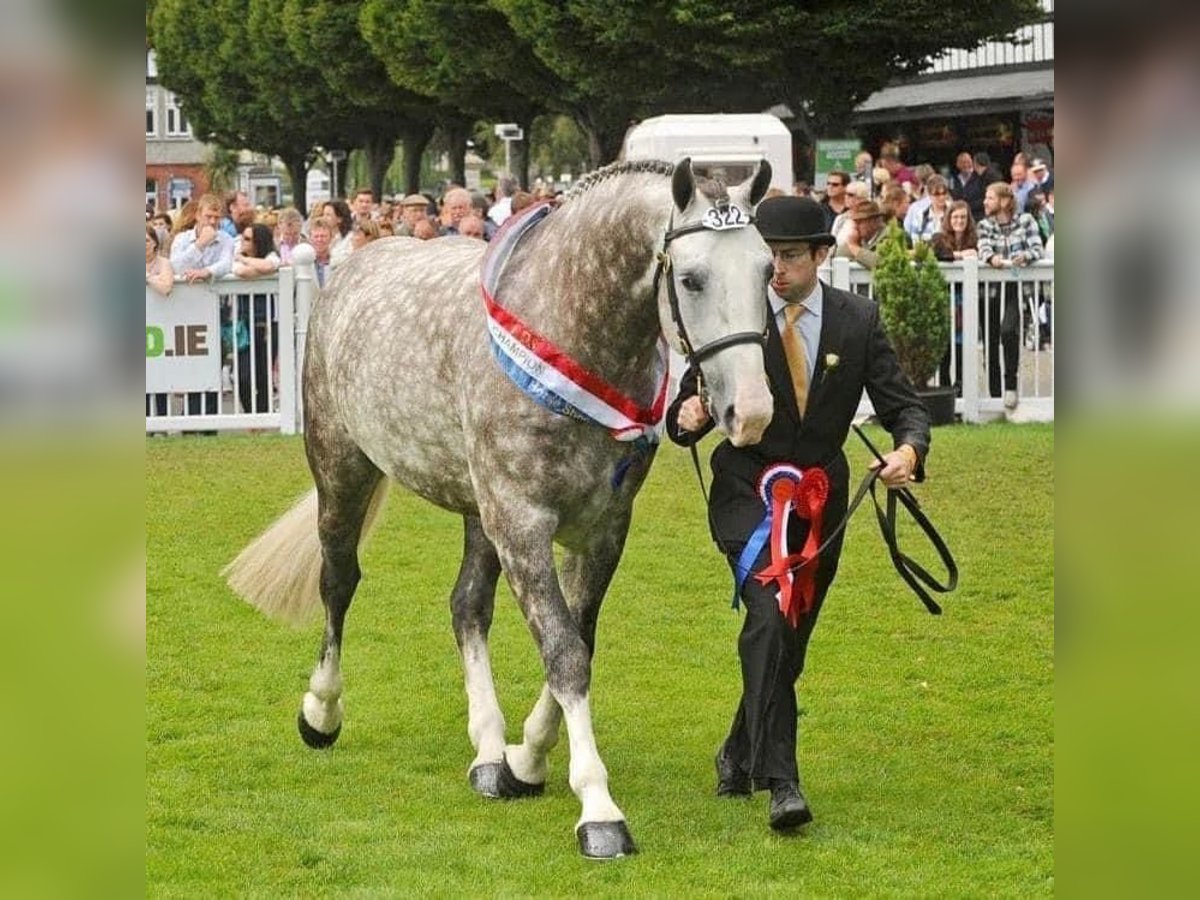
762	738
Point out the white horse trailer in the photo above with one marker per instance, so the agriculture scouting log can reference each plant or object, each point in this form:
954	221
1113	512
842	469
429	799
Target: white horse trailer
725	145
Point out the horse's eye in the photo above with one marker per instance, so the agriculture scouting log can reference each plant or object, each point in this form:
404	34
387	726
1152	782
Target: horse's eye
691	283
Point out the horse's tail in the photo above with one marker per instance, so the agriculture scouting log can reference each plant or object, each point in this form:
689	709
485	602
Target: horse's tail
279	573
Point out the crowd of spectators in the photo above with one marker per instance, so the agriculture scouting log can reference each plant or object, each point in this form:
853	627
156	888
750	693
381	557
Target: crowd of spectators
969	211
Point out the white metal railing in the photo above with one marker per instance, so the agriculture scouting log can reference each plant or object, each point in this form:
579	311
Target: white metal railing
978	295
226	355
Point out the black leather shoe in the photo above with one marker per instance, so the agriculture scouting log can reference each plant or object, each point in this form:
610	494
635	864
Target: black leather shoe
789	809
731	780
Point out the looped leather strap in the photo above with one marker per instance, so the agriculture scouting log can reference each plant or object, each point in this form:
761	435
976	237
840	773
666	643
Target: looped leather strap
913	573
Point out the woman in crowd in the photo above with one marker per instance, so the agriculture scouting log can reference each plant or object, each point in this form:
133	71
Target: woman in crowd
956	238
160	277
255	334
956	241
341	219
185	220
933	217
365	231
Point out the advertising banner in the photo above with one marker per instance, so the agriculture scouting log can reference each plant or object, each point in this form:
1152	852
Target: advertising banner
183	341
834	156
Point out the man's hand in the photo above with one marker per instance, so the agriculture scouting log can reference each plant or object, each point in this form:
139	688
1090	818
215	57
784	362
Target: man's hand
205	235
898	466
194	275
692	415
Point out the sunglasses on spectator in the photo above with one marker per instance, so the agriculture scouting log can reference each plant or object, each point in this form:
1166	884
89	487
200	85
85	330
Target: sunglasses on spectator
835	184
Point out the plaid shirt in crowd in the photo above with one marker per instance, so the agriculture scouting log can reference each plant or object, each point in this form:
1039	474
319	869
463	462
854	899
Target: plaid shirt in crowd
1019	236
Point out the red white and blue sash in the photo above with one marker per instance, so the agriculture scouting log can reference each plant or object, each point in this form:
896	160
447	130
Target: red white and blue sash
548	375
787	491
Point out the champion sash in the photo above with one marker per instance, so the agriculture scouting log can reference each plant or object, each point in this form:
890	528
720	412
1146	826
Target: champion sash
548	375
786	491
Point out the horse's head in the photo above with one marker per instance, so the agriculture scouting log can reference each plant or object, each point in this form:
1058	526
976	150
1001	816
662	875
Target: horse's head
713	300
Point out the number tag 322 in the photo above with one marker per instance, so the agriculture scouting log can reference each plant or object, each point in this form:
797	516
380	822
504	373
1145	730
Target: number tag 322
722	219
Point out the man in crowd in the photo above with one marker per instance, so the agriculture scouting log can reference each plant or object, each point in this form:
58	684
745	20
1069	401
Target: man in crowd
816	395
857	193
834	203
203	253
239	212
320	235
1043	178
864	166
968	185
455	205
1006	239
860	243
889	158
364	203
471	226
502	208
413	209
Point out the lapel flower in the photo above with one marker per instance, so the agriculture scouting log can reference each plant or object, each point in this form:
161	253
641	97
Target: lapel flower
831	363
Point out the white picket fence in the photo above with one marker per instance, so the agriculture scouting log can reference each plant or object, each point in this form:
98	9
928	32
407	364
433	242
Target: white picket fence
972	289
292	289
276	315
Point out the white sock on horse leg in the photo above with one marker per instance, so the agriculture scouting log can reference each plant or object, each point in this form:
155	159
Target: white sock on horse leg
528	760
485	721
322	704
589	777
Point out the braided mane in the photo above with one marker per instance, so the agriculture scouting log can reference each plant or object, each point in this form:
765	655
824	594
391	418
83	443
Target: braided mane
713	189
628	167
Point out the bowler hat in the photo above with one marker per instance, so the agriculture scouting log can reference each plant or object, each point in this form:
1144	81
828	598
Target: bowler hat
793	219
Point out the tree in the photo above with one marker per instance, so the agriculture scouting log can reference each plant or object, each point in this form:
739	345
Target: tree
239	86
465	55
914	304
383	111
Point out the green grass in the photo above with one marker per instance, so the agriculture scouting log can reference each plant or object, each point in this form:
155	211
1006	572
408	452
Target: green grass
926	744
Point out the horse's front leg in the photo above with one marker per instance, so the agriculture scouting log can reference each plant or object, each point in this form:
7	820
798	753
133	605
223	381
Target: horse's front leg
528	560
584	578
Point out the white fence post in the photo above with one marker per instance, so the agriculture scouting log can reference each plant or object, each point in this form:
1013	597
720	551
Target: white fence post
970	345
303	259
287	352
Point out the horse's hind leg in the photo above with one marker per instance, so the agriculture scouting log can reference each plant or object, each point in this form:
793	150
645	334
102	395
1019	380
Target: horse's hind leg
349	488
471	606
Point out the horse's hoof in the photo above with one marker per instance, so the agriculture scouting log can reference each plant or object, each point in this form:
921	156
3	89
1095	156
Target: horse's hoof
318	740
511	787
605	840
485	780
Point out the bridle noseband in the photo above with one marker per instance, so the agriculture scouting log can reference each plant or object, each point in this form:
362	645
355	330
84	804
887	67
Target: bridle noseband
695	356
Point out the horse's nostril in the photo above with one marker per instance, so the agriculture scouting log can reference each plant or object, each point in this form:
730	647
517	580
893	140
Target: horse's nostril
727	417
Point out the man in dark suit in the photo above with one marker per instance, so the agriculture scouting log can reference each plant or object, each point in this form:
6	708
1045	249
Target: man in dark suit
823	347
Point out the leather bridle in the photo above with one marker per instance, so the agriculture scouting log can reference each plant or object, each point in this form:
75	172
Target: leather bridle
665	266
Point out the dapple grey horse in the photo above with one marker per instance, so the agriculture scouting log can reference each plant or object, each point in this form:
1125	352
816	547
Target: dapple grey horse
400	383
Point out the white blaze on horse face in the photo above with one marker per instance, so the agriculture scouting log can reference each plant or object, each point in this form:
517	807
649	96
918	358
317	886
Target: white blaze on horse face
721	280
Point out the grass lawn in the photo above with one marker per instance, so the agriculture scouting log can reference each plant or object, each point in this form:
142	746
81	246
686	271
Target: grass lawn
926	743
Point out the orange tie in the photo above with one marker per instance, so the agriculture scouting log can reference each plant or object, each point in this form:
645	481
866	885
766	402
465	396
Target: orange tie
793	348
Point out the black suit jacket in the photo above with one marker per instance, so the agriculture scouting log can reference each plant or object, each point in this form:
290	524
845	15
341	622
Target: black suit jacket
851	331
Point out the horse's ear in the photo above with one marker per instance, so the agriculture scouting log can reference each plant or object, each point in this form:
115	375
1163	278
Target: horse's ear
761	183
683	184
